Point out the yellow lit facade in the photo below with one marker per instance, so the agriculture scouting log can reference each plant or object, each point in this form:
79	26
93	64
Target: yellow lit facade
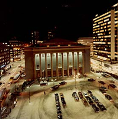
105	34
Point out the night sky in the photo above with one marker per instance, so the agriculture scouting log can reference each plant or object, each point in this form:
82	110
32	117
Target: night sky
72	18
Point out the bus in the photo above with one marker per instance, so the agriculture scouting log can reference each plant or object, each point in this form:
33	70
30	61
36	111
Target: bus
16	78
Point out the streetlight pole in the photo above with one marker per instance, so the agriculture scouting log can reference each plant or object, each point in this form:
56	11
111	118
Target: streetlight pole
29	94
75	81
53	81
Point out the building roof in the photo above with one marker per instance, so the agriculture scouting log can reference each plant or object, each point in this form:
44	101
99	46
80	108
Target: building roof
56	42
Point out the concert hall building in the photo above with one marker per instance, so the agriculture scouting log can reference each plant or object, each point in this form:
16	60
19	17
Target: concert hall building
56	58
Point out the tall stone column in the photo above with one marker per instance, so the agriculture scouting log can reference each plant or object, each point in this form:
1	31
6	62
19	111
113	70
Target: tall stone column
68	64
77	62
73	73
83	63
34	68
51	66
40	65
46	65
62	65
57	65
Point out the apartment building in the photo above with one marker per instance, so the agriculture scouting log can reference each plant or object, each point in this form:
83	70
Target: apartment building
105	35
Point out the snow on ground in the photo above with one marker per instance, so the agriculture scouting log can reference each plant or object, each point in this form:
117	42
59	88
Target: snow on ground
43	106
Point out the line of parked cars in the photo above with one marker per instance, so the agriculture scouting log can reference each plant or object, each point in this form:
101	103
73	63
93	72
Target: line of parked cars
97	104
93	101
103	90
58	106
63	100
83	99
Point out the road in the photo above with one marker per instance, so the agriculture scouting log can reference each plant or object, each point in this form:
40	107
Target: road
11	72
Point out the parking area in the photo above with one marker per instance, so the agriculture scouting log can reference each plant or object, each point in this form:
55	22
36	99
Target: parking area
44	106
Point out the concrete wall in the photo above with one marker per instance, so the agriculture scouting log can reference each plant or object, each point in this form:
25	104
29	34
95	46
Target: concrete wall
87	61
29	65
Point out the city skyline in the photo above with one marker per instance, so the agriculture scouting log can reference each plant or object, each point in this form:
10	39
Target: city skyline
72	19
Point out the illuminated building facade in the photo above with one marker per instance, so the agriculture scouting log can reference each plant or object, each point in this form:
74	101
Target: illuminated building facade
105	34
87	41
16	49
50	34
4	58
62	58
34	37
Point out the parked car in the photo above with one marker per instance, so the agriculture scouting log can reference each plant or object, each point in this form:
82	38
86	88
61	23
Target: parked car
104	88
106	75
96	109
43	84
91	79
80	95
89	100
90	93
112	85
74	94
54	87
63	83
102	82
95	99
102	91
85	94
101	106
59	116
108	97
85	102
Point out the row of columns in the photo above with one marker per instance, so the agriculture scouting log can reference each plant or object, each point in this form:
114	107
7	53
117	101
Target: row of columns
57	75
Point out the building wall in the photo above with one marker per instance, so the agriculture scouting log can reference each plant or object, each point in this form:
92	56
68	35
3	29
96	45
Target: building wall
105	35
54	61
4	58
29	65
86	61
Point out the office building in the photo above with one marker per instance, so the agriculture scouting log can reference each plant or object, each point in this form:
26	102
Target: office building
105	35
4	58
34	37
